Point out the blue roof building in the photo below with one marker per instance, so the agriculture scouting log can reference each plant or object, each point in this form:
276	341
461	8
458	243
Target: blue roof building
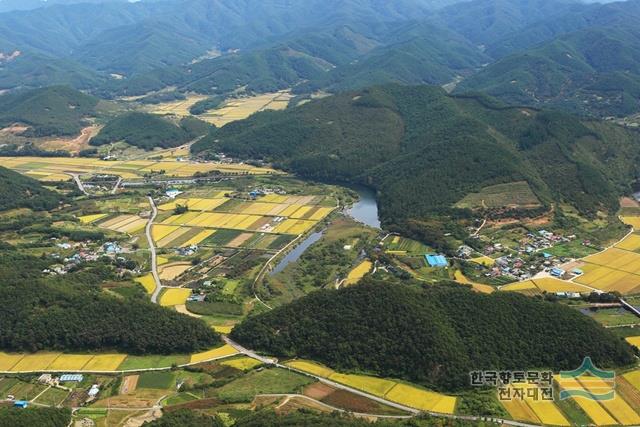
557	272
436	261
21	404
71	377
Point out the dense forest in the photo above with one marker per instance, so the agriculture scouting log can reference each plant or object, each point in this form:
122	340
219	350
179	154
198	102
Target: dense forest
433	336
56	110
78	317
50	417
19	191
143	130
424	150
268	418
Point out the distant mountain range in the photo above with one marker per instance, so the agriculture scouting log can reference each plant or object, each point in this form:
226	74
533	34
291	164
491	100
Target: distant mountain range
565	54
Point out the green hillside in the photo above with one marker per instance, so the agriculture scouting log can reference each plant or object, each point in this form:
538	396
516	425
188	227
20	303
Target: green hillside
593	71
56	110
423	150
433	336
412	54
146	131
19	191
127	326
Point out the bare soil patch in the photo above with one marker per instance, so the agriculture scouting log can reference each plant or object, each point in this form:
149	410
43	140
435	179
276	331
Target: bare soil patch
318	390
129	384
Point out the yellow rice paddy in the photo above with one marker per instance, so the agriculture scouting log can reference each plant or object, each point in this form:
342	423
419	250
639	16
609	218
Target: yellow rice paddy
243	363
224	351
70	362
171	297
358	273
148	282
88	219
394	391
105	362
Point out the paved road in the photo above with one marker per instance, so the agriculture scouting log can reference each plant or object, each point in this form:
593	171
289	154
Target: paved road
152	248
253	354
115	187
76	178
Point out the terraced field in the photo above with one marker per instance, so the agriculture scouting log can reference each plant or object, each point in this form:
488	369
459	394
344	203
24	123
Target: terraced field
547	284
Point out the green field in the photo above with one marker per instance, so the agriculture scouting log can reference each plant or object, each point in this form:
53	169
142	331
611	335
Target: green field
266	381
157	380
52	397
221	237
145	362
515	194
614	317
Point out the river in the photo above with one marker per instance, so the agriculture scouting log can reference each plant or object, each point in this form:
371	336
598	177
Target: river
364	211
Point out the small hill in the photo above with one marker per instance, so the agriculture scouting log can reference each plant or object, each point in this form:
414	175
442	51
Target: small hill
18	191
433	336
147	131
424	150
124	326
56	110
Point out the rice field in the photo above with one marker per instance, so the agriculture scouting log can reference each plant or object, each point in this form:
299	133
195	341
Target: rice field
105	362
242	363
376	386
70	362
172	296
394	391
631	243
58	168
358	273
217	353
546	284
173	270
148	282
421	399
239	109
534	410
89	219
635	341
617	406
633	221
36	361
599	411
179	107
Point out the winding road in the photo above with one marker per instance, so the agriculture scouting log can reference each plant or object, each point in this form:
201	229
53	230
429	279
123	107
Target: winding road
413	411
152	249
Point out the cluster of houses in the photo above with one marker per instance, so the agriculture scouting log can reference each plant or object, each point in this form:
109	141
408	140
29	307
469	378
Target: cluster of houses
83	252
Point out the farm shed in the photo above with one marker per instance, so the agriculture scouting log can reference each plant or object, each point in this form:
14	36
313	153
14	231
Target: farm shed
436	261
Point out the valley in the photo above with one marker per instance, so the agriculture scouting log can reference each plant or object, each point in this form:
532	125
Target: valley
350	213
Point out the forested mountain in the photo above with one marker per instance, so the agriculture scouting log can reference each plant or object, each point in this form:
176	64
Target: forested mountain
424	150
69	322
137	34
19	191
432	335
594	71
146	131
56	110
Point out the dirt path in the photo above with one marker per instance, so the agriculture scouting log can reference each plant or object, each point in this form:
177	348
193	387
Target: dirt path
182	308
